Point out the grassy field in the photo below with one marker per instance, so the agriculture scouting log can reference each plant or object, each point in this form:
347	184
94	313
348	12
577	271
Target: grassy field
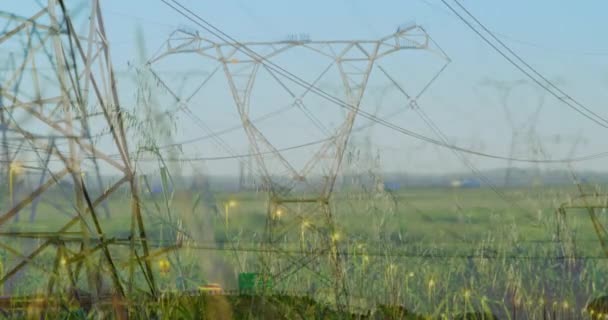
438	252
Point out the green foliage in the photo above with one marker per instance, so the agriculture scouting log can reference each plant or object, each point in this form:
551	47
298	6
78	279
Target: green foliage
430	256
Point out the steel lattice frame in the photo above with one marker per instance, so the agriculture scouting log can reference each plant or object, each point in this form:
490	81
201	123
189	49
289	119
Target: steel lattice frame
287	211
526	130
593	203
85	89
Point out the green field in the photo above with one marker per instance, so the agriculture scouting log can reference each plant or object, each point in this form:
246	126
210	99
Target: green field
435	251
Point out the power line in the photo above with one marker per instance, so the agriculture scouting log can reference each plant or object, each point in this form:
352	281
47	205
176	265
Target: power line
603	122
271	66
323	94
445	140
371	117
528	65
520	41
245	155
378	253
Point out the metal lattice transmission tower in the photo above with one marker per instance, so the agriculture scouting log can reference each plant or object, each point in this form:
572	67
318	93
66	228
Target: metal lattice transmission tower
299	202
246	174
62	101
524	132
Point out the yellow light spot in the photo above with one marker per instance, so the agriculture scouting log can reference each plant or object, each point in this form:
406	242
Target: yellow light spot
16	168
232	203
431	283
467	294
336	236
411	275
365	259
164	265
565	305
305	224
63	261
278	213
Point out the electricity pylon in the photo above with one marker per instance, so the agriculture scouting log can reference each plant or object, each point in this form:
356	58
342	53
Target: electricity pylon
524	132
298	200
78	107
246	178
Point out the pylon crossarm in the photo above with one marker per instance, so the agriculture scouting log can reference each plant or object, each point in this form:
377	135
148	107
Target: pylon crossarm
66	227
25	22
297	264
23	203
152	255
599	230
36	252
93	151
598	227
20	255
79	257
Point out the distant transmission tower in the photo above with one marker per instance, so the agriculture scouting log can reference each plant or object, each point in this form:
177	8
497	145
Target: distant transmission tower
521	133
298	201
64	84
246	175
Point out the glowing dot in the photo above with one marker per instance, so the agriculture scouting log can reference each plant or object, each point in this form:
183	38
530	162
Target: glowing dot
336	236
278	213
63	261
467	294
16	168
232	203
164	265
411	275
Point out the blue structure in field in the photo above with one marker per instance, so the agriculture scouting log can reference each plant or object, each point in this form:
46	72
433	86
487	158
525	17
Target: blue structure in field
392	186
470	183
157	189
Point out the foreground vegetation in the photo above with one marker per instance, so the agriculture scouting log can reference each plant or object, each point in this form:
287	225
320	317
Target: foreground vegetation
435	252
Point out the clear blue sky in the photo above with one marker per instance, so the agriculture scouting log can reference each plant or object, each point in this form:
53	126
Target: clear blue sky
562	39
